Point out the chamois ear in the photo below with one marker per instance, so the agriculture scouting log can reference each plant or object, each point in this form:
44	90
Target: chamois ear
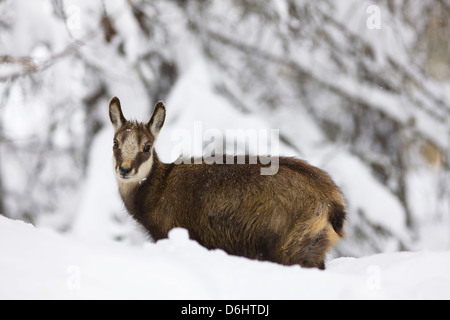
115	114
157	120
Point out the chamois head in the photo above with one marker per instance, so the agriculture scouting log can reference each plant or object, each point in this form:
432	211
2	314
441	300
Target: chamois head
134	142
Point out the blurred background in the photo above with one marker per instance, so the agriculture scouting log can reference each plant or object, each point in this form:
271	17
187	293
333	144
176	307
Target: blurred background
360	89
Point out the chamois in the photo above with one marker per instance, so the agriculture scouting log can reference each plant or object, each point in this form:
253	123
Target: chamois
292	217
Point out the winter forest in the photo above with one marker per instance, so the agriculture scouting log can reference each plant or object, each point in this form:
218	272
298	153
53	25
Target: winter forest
358	88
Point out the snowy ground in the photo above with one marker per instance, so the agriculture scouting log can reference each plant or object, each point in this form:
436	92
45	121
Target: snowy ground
42	264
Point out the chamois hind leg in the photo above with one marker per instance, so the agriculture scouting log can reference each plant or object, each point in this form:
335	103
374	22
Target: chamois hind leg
307	250
311	238
309	241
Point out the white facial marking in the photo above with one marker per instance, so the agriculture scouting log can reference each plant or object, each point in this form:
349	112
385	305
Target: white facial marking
129	148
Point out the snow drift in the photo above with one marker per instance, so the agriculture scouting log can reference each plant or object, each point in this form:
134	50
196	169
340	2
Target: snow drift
42	264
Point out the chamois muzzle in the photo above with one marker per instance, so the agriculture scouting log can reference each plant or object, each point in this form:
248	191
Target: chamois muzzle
124	171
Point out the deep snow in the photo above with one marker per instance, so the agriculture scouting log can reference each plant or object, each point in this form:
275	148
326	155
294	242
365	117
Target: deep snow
42	264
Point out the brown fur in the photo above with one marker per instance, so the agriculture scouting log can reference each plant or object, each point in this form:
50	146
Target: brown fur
292	217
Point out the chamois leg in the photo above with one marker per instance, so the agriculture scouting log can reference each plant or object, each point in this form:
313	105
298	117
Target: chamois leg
307	250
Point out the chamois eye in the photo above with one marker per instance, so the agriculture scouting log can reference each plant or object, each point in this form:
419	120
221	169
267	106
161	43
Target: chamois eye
116	144
147	148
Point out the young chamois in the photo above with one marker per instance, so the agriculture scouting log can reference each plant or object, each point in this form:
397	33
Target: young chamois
292	217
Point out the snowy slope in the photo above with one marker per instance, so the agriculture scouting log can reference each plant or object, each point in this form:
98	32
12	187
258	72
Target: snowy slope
42	264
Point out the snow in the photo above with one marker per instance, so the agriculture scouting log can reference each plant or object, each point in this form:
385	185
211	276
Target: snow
92	211
192	112
38	263
379	212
